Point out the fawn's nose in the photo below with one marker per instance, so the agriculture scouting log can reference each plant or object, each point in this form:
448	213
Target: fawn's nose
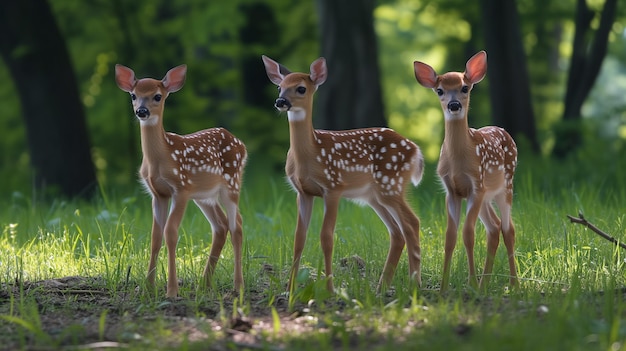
454	106
142	112
282	103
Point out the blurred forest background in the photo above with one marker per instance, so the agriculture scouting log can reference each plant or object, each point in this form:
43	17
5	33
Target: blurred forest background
556	79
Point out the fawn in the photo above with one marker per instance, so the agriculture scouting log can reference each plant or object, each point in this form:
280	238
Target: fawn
475	164
205	166
370	166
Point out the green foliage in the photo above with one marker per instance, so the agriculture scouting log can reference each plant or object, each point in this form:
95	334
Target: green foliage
222	42
209	38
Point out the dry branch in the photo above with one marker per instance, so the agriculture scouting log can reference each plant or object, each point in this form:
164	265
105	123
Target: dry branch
581	220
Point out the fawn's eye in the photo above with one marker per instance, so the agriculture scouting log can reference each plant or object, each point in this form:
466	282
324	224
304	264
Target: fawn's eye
133	96
465	89
301	90
158	97
439	92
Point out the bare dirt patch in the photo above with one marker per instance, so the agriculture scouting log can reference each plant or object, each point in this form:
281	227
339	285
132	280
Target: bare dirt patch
83	313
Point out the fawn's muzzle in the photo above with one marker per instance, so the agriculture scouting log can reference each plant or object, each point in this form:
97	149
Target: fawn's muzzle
282	103
142	112
454	106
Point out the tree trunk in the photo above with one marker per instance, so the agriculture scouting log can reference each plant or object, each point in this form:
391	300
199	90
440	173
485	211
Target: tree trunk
252	35
38	61
509	85
351	96
584	69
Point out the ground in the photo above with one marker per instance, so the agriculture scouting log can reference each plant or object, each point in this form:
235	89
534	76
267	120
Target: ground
71	311
83	313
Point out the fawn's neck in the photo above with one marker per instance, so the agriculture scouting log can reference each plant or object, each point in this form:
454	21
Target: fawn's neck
302	136
153	143
457	137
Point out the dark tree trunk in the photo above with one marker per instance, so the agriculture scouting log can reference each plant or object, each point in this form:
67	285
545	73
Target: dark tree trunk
509	85
253	34
36	56
128	52
584	69
257	38
351	96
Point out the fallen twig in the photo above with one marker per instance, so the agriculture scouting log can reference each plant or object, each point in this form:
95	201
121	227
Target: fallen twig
581	220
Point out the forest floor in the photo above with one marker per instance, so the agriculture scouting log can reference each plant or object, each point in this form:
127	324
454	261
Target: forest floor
81	313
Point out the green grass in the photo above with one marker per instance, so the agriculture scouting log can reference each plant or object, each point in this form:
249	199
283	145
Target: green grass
571	295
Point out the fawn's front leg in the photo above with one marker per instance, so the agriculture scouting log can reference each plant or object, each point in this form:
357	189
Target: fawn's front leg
305	209
159	217
331	207
474	204
453	204
171	240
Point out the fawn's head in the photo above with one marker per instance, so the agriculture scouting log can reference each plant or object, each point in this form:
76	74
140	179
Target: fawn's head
295	90
453	88
148	95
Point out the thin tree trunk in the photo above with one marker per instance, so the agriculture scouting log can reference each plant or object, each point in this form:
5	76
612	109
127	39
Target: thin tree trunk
37	59
584	68
587	59
351	96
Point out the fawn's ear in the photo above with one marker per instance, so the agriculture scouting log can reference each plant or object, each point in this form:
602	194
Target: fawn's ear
125	78
275	71
175	78
425	74
476	67
319	71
